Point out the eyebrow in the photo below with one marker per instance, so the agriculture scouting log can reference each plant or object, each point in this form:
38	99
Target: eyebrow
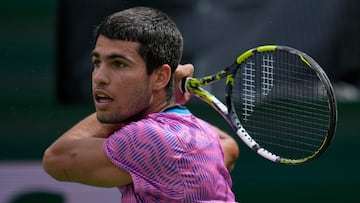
111	56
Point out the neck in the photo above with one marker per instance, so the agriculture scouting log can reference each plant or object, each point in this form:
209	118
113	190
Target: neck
163	106
161	101
158	104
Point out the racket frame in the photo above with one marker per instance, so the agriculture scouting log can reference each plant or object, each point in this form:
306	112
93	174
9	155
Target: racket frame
228	112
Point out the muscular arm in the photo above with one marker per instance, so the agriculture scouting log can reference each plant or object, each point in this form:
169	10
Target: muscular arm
78	156
230	149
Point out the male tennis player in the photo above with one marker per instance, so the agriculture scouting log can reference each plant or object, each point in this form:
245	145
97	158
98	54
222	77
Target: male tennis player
139	139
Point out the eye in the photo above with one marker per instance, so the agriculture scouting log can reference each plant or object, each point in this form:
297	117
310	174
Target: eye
96	62
118	64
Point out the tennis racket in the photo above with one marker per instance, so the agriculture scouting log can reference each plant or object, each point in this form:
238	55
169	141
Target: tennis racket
279	101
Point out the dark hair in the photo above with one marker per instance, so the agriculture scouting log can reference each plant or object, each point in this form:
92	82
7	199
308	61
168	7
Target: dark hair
160	40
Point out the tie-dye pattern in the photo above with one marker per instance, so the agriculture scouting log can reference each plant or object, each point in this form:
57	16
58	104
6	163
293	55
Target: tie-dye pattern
171	158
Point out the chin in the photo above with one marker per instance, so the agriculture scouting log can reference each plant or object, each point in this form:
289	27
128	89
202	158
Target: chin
102	118
108	118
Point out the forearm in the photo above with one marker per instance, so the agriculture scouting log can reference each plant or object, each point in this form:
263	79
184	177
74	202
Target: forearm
230	149
66	150
91	127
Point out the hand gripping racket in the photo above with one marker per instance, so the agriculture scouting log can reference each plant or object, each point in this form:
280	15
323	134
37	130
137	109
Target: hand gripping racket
279	101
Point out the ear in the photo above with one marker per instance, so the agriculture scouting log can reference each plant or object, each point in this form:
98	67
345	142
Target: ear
161	77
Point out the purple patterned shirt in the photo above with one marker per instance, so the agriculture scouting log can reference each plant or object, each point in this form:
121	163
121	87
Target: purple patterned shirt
171	157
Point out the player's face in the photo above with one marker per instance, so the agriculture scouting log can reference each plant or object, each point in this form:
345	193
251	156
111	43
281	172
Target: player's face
120	84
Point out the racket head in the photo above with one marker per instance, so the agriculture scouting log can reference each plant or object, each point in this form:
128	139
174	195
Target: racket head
285	101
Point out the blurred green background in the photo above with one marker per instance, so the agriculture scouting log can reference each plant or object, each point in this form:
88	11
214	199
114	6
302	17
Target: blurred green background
31	118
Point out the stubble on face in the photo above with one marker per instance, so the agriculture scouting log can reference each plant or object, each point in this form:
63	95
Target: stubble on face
120	75
135	109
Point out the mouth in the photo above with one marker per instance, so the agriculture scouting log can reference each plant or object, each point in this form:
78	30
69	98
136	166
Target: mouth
102	98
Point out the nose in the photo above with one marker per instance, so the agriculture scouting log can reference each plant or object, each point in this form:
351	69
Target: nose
100	75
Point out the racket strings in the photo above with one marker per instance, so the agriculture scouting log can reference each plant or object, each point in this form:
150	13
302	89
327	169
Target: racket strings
315	125
249	90
283	104
315	113
267	79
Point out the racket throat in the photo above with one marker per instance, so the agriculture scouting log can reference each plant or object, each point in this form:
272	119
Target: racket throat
250	142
